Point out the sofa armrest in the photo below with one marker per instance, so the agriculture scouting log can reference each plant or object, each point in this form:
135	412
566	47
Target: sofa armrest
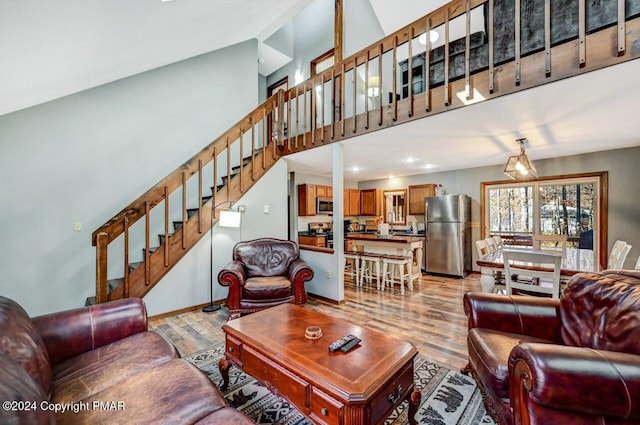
299	273
233	276
532	316
69	333
547	378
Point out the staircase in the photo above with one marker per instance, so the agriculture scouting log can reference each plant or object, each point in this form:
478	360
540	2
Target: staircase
335	105
233	162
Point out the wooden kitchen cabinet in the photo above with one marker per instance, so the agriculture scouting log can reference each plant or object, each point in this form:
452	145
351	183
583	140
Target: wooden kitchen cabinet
306	199
371	202
323	191
417	193
351	199
320	241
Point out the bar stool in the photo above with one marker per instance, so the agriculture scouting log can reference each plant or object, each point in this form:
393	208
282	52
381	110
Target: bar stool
369	260
354	259
397	266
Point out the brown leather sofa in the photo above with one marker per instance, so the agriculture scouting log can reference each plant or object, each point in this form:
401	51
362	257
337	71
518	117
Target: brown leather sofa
100	365
264	273
574	361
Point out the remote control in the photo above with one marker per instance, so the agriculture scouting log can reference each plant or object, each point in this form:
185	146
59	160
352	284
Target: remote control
335	346
349	345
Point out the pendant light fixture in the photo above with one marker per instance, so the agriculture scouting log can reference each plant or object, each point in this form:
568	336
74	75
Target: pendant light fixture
519	167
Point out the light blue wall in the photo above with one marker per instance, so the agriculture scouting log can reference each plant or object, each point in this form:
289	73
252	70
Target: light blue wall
312	35
84	157
187	284
361	26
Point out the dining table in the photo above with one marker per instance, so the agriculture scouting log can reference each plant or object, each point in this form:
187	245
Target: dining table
574	260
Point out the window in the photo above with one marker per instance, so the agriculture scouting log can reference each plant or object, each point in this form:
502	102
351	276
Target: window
322	62
575	206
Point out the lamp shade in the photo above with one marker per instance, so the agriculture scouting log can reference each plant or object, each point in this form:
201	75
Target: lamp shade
519	166
229	218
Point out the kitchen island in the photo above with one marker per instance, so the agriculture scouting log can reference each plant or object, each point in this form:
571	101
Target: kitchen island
398	244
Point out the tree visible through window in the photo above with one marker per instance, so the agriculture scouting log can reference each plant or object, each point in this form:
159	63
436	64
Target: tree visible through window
510	210
568	206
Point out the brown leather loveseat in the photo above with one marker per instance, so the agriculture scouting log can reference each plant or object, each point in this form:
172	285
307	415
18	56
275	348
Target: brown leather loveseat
264	273
100	365
574	361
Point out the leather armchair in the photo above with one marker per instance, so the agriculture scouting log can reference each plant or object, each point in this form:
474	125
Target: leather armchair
264	273
575	360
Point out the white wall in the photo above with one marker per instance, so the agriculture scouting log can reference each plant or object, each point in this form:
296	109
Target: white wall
86	156
328	280
187	284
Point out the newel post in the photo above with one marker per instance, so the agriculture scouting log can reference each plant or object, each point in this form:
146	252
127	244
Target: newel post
102	242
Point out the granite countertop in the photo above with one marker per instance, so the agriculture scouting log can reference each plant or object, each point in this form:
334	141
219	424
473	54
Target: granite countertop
406	237
314	235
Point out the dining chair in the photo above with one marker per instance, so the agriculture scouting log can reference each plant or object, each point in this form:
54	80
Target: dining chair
482	249
620	257
614	255
550	243
637	266
491	244
542	267
499	242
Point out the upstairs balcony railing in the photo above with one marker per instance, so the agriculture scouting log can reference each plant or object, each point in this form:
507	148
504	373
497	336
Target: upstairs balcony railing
466	52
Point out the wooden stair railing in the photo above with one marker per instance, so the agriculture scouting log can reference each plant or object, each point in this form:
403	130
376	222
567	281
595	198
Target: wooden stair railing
362	93
247	152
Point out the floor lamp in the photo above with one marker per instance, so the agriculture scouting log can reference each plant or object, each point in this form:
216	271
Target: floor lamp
228	218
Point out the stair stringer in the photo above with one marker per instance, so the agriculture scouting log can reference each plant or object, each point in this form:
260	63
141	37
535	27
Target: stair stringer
193	231
187	283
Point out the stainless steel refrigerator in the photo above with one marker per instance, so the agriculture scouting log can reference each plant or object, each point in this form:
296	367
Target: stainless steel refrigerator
448	234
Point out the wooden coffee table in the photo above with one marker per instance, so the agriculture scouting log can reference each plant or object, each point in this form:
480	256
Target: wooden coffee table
362	386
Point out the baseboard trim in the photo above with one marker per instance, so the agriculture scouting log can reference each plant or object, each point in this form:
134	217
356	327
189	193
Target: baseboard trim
183	310
325	300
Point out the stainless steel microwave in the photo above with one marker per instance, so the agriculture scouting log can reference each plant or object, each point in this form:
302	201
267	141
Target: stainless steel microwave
324	206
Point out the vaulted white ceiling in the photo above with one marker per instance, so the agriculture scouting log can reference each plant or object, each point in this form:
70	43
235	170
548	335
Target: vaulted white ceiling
53	48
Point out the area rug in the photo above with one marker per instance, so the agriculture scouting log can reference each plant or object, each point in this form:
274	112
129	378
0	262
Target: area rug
448	397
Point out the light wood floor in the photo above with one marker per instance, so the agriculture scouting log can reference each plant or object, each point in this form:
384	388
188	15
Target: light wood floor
431	317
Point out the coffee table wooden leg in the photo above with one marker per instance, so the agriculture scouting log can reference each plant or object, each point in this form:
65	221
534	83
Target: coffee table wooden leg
223	366
414	403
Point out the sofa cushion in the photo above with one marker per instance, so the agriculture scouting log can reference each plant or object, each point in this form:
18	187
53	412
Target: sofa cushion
20	341
17	385
266	257
602	311
82	376
489	355
267	288
174	392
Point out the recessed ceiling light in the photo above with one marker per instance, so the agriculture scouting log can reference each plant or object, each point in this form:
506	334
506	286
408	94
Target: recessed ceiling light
429	166
410	160
355	169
